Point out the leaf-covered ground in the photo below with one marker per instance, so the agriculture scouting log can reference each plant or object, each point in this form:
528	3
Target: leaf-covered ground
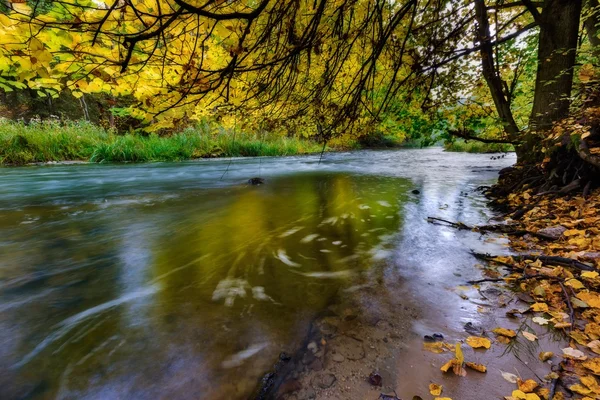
555	270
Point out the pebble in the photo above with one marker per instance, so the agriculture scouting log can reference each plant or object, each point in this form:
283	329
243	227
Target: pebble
337	357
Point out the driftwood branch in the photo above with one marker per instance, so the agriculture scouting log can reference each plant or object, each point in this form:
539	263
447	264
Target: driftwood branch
547	260
507	229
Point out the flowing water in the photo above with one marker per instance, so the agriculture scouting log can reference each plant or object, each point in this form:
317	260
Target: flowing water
180	280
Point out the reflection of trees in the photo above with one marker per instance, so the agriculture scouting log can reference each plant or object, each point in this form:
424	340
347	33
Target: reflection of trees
244	238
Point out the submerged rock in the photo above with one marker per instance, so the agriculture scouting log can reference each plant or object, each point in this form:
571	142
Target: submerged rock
256	181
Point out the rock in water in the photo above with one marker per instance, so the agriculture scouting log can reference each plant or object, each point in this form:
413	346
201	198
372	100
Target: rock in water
256	181
416	191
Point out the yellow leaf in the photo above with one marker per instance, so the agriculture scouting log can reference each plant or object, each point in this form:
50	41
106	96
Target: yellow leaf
434	347
435	389
527	386
593	365
448	365
591	299
539	307
476	367
505	332
35	45
580	389
574	232
459	354
478	342
589	274
546	355
574	283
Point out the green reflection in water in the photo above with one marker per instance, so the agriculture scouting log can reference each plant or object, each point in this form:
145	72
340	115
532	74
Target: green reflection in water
191	296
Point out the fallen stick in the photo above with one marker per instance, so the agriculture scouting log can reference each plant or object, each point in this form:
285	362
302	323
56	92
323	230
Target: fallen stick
507	229
548	260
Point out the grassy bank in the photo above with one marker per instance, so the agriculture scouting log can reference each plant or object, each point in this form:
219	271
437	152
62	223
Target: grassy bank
478	147
41	142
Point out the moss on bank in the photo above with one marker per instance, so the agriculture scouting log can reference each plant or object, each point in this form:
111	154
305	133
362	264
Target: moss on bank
42	142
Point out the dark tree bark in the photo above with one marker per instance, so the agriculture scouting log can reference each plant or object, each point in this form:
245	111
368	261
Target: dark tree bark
591	26
559	27
494	81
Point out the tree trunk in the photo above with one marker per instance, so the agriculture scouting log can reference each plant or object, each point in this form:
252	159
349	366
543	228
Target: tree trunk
492	78
559	27
591	27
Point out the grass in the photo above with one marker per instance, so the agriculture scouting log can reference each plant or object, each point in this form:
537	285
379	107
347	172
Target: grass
478	147
49	141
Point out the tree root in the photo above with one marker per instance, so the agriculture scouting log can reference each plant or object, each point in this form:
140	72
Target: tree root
547	260
506	229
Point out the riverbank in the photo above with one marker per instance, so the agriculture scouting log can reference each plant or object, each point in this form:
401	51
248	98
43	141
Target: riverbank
73	142
519	327
79	141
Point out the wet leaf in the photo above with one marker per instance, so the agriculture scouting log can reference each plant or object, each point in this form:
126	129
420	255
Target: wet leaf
575	354
512	378
593	365
546	355
575	284
540	320
594	345
435	347
529	336
448	365
478	342
589	274
579	337
518	394
505	332
539	307
580	389
435	389
527	386
591	299
476	367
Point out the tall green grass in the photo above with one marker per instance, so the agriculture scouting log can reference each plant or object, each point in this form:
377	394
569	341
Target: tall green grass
48	141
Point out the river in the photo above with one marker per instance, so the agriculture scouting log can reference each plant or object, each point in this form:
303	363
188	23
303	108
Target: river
182	281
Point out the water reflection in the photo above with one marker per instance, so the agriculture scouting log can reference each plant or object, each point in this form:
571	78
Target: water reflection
189	293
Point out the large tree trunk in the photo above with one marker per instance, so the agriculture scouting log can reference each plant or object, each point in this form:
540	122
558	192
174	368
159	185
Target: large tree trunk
591	27
559	27
492	78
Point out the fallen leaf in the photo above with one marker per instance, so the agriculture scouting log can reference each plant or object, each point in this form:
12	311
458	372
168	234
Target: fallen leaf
505	332
580	389
593	365
594	345
591	383
476	367
435	389
527	386
448	365
518	394
478	342
512	378
589	274
539	307
591	299
540	320
546	355
575	354
529	336
575	284
435	347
